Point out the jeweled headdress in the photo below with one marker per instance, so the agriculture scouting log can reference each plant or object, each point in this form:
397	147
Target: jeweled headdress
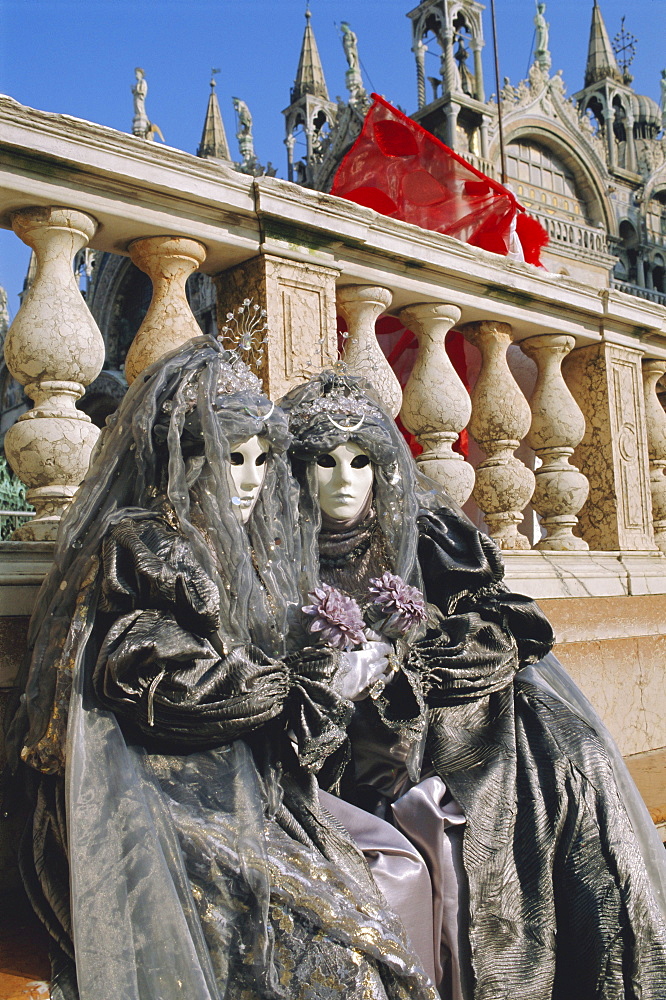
341	397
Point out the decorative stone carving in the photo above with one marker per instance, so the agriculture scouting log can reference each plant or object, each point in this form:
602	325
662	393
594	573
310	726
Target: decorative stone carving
168	261
655	419
557	427
361	305
500	419
606	382
436	405
54	349
299	300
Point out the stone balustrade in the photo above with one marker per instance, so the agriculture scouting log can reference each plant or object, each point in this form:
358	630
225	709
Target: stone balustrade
557	427
303	256
168	261
55	350
575	236
650	294
653	372
436	405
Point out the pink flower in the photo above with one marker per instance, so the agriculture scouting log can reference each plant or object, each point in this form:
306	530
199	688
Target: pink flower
400	605
336	616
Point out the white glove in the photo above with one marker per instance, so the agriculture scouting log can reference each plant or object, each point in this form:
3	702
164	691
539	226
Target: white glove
361	669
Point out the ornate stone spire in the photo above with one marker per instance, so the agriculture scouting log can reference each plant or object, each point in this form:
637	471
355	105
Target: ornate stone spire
213	143
601	62
309	75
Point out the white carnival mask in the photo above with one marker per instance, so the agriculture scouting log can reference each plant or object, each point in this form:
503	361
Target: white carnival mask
345	476
246	473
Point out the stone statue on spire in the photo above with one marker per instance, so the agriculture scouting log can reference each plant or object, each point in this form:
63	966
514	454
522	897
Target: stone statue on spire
140	125
139	91
353	78
244	136
541	51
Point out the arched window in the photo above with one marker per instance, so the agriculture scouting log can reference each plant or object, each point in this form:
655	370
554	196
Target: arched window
656	217
547	175
629	253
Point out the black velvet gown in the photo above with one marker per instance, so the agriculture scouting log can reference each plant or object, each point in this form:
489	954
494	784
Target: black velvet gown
554	900
275	900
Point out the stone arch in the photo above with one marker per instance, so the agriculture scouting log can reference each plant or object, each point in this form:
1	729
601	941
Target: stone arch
432	20
629	250
590	177
658	263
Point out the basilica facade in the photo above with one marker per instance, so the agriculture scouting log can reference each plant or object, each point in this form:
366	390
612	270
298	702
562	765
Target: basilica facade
589	165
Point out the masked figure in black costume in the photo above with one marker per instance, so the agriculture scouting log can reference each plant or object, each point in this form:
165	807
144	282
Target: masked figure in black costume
162	711
542	885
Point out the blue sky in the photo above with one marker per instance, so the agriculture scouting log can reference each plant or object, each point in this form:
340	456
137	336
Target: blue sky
77	57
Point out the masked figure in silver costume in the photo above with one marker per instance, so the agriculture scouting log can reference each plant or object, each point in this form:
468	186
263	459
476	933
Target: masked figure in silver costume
172	729
542	886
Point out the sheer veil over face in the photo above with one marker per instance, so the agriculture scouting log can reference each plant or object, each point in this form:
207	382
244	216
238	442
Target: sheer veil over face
170	442
335	410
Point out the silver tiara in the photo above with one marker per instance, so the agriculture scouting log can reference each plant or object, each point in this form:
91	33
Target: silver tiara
233	376
335	406
246	332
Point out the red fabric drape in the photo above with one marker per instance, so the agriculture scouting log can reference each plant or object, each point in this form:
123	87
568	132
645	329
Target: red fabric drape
400	170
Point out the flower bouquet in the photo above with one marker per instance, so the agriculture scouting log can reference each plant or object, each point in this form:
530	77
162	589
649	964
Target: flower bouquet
392	609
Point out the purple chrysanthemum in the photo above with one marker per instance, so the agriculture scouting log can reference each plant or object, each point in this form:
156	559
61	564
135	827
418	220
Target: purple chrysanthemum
400	605
336	616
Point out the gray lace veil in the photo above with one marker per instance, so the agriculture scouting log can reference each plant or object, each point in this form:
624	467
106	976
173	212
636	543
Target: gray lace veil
166	450
169	443
333	408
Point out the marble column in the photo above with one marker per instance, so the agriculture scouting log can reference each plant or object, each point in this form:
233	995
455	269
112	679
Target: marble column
500	420
557	427
606	382
656	439
479	93
169	323
436	405
419	52
361	306
55	350
299	299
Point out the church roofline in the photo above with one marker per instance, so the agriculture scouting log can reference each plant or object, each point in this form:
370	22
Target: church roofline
601	62
310	74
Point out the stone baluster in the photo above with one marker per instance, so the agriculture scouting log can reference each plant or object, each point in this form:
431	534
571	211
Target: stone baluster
558	425
656	437
361	305
169	323
55	350
436	406
500	419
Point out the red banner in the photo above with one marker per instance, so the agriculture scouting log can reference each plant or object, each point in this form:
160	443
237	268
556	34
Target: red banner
404	172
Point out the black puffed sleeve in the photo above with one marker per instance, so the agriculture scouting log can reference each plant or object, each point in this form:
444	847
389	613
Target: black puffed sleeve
463	573
161	667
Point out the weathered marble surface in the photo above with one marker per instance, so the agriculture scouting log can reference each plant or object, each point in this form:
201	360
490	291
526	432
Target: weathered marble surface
624	680
606	381
500	420
361	306
655	419
436	405
53	348
169	323
557	427
614	649
299	299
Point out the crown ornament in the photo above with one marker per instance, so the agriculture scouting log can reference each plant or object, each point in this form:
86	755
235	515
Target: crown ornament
340	401
246	332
